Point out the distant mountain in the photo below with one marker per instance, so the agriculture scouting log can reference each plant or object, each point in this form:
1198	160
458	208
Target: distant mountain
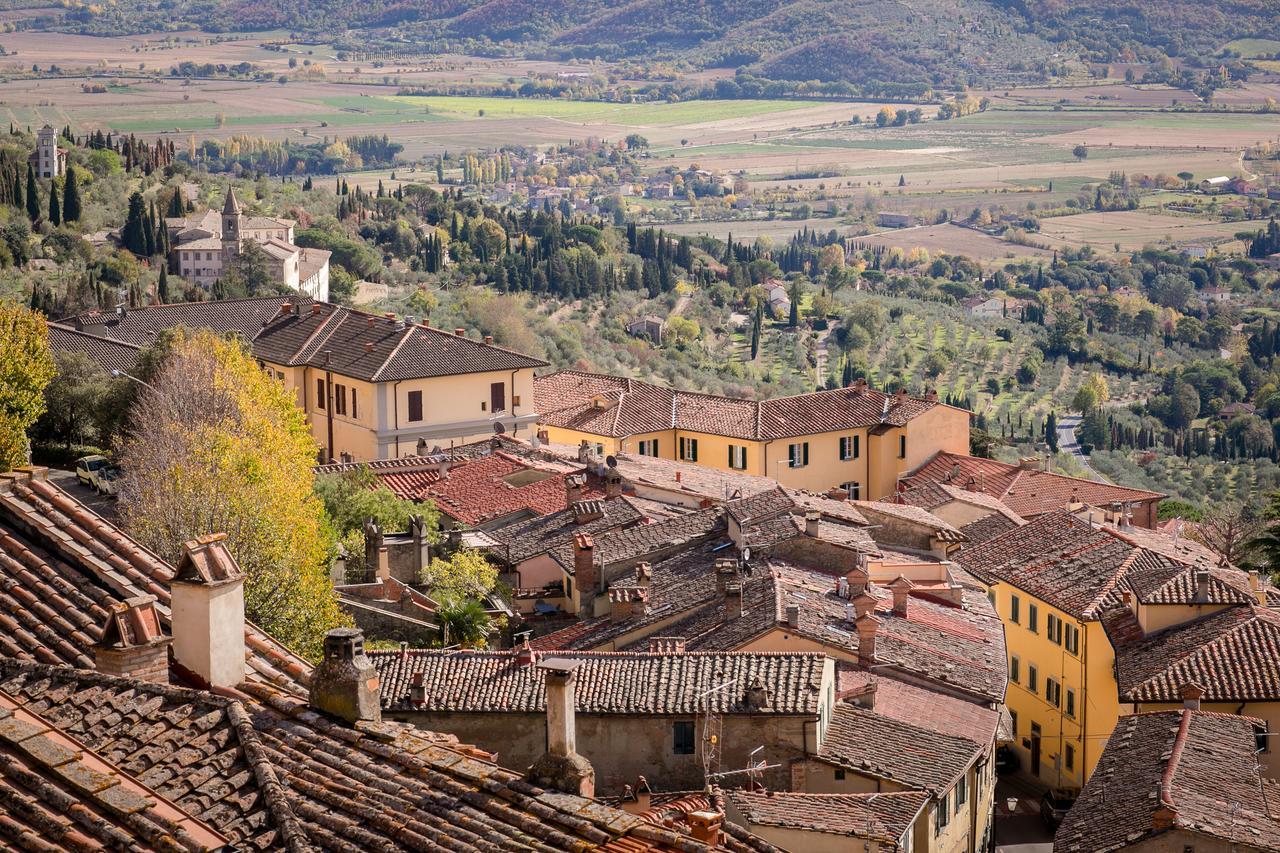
919	42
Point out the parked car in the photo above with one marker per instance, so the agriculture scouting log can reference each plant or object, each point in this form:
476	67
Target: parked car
87	466
1006	760
1054	806
106	480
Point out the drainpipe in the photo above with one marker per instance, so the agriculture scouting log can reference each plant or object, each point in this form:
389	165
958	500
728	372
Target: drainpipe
328	398
395	406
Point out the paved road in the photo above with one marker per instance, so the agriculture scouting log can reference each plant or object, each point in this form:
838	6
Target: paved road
66	480
1068	443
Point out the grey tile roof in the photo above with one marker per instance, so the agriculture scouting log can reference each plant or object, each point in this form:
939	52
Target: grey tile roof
107	353
531	537
606	683
876	816
875	745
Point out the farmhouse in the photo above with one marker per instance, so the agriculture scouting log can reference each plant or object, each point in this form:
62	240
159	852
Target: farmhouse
1215	185
895	220
854	438
204	245
372	387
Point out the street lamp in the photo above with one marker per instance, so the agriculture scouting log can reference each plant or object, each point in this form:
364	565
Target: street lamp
1012	804
120	374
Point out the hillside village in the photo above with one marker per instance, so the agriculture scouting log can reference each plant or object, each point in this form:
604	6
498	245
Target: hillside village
644	429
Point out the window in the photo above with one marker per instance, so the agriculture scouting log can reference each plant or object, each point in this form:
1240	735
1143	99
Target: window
1072	639
1069	757
682	737
689	449
339	399
1015	608
1015	669
942	813
962	792
1054	627
649	447
849	447
853	490
1033	679
798	454
738	457
355	411
415	405
1033	618
1013	723
902	447
497	397
1071	702
839	774
1261	743
1053	692
319	393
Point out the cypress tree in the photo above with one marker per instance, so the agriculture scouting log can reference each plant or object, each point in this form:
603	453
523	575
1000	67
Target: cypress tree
134	233
55	210
71	197
162	286
33	195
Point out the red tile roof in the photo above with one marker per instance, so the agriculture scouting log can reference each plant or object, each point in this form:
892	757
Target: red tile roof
618	406
1194	770
1027	492
878	816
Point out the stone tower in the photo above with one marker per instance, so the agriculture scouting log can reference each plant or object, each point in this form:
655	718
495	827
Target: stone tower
50	161
232	222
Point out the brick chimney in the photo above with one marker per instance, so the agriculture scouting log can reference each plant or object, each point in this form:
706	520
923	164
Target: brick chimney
705	826
133	645
585	576
1191	693
524	654
612	484
562	768
865	697
858	387
812	523
757	696
587	510
867	627
573	489
901	587
627	601
1164	817
208	613
376	558
666	645
864	603
859	579
345	684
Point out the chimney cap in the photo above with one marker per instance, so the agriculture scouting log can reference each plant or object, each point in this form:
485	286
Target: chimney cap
1191	690
132	623
206	561
560	665
901	582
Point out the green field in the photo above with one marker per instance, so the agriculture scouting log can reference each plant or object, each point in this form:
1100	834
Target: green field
632	115
1249	48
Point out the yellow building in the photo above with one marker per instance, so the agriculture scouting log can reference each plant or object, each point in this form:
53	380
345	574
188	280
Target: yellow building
1084	604
372	386
854	438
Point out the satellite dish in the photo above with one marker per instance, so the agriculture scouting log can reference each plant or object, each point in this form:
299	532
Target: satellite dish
611	461
498	428
746	554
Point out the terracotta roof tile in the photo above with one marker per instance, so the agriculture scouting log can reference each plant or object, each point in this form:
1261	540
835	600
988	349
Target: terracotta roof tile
105	352
1197	768
875	745
878	816
606	683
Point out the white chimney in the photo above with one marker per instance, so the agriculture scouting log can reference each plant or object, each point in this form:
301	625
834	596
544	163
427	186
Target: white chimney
562	768
208	612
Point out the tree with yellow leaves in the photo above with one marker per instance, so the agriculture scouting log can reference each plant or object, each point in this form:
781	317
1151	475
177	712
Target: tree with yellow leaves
216	445
26	366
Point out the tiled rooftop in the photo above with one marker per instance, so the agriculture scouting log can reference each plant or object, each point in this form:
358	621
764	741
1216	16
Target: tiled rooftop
877	816
352	343
875	745
62	568
618	406
1027	492
606	683
525	538
1193	770
108	354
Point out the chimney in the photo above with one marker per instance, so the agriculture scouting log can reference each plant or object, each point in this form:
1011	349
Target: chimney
838	494
421	544
562	768
1029	463
612	484
812	522
1255	584
644	574
666	645
1191	693
733	602
900	395
859	580
793	616
1202	586
524	654
705	826
345	684
1164	817
644	795
859	387
460	332
931	396
864	603
867	627
584	451
757	695
133	645
901	587
585	511
368	346
573	489
726	571
626	601
866	696
488	339
315	309
207	613
375	551
584	564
